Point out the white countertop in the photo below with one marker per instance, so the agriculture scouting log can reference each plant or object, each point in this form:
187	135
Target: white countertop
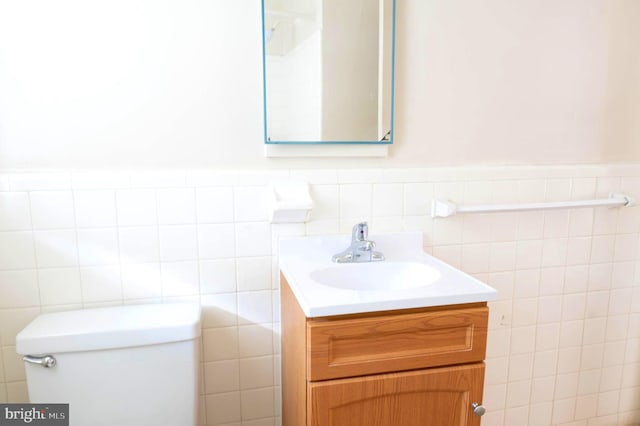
301	256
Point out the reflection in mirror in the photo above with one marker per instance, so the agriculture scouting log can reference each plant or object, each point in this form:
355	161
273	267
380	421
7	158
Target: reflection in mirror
328	71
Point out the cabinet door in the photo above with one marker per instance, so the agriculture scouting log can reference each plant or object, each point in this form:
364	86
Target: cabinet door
437	397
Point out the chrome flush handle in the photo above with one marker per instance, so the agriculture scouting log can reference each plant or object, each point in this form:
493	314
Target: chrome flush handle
47	361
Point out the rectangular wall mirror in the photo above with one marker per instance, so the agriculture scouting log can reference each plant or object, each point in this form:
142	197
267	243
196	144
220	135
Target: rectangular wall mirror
328	71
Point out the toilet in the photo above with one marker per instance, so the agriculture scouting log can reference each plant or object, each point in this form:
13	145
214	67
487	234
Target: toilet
125	365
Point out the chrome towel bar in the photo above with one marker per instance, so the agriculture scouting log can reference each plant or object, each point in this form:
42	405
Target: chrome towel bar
440	208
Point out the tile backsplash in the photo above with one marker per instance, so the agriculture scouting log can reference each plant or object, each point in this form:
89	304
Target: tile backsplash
564	340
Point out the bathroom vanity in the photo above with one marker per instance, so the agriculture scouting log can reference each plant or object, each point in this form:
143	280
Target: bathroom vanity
362	353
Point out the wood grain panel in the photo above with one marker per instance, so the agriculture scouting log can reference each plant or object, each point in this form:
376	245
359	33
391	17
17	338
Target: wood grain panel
294	379
396	342
438	396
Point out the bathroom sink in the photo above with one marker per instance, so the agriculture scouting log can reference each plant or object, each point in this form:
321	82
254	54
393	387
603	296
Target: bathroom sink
376	276
408	278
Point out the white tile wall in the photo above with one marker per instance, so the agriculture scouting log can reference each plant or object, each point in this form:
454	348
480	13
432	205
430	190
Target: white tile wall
52	210
17	250
14	211
19	288
176	206
95	208
215	205
178	242
216	241
59	286
136	207
564	339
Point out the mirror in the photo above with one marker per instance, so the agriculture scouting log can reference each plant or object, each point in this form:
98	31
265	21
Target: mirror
328	71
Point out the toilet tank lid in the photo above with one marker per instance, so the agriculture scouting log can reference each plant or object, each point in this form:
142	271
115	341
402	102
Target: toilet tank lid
109	328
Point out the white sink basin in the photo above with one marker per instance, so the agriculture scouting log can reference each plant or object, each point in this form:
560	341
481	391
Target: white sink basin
376	276
408	278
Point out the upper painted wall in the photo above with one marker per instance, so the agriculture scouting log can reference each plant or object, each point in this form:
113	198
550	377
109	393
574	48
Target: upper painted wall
178	84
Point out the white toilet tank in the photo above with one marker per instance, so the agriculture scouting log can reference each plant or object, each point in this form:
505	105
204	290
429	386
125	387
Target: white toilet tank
124	366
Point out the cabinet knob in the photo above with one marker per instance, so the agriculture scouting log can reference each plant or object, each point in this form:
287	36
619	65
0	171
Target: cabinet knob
478	409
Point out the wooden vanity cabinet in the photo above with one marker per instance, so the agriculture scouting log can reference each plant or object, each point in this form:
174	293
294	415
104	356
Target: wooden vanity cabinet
394	368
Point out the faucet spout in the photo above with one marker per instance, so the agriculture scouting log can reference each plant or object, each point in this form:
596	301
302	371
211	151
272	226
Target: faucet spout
360	232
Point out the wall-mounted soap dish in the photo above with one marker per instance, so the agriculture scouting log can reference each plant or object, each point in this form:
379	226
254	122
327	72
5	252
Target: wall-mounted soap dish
290	202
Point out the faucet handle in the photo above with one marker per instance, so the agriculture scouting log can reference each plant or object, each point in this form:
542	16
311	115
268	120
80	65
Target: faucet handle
360	232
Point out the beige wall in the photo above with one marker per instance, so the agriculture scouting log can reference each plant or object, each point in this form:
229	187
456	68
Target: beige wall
622	117
519	82
178	85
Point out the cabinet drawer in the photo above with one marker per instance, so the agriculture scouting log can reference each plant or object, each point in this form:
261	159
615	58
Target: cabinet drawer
396	342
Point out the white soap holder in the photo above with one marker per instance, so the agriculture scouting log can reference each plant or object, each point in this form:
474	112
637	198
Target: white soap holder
290	202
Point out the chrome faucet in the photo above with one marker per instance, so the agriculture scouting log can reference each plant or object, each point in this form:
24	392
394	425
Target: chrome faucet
361	249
